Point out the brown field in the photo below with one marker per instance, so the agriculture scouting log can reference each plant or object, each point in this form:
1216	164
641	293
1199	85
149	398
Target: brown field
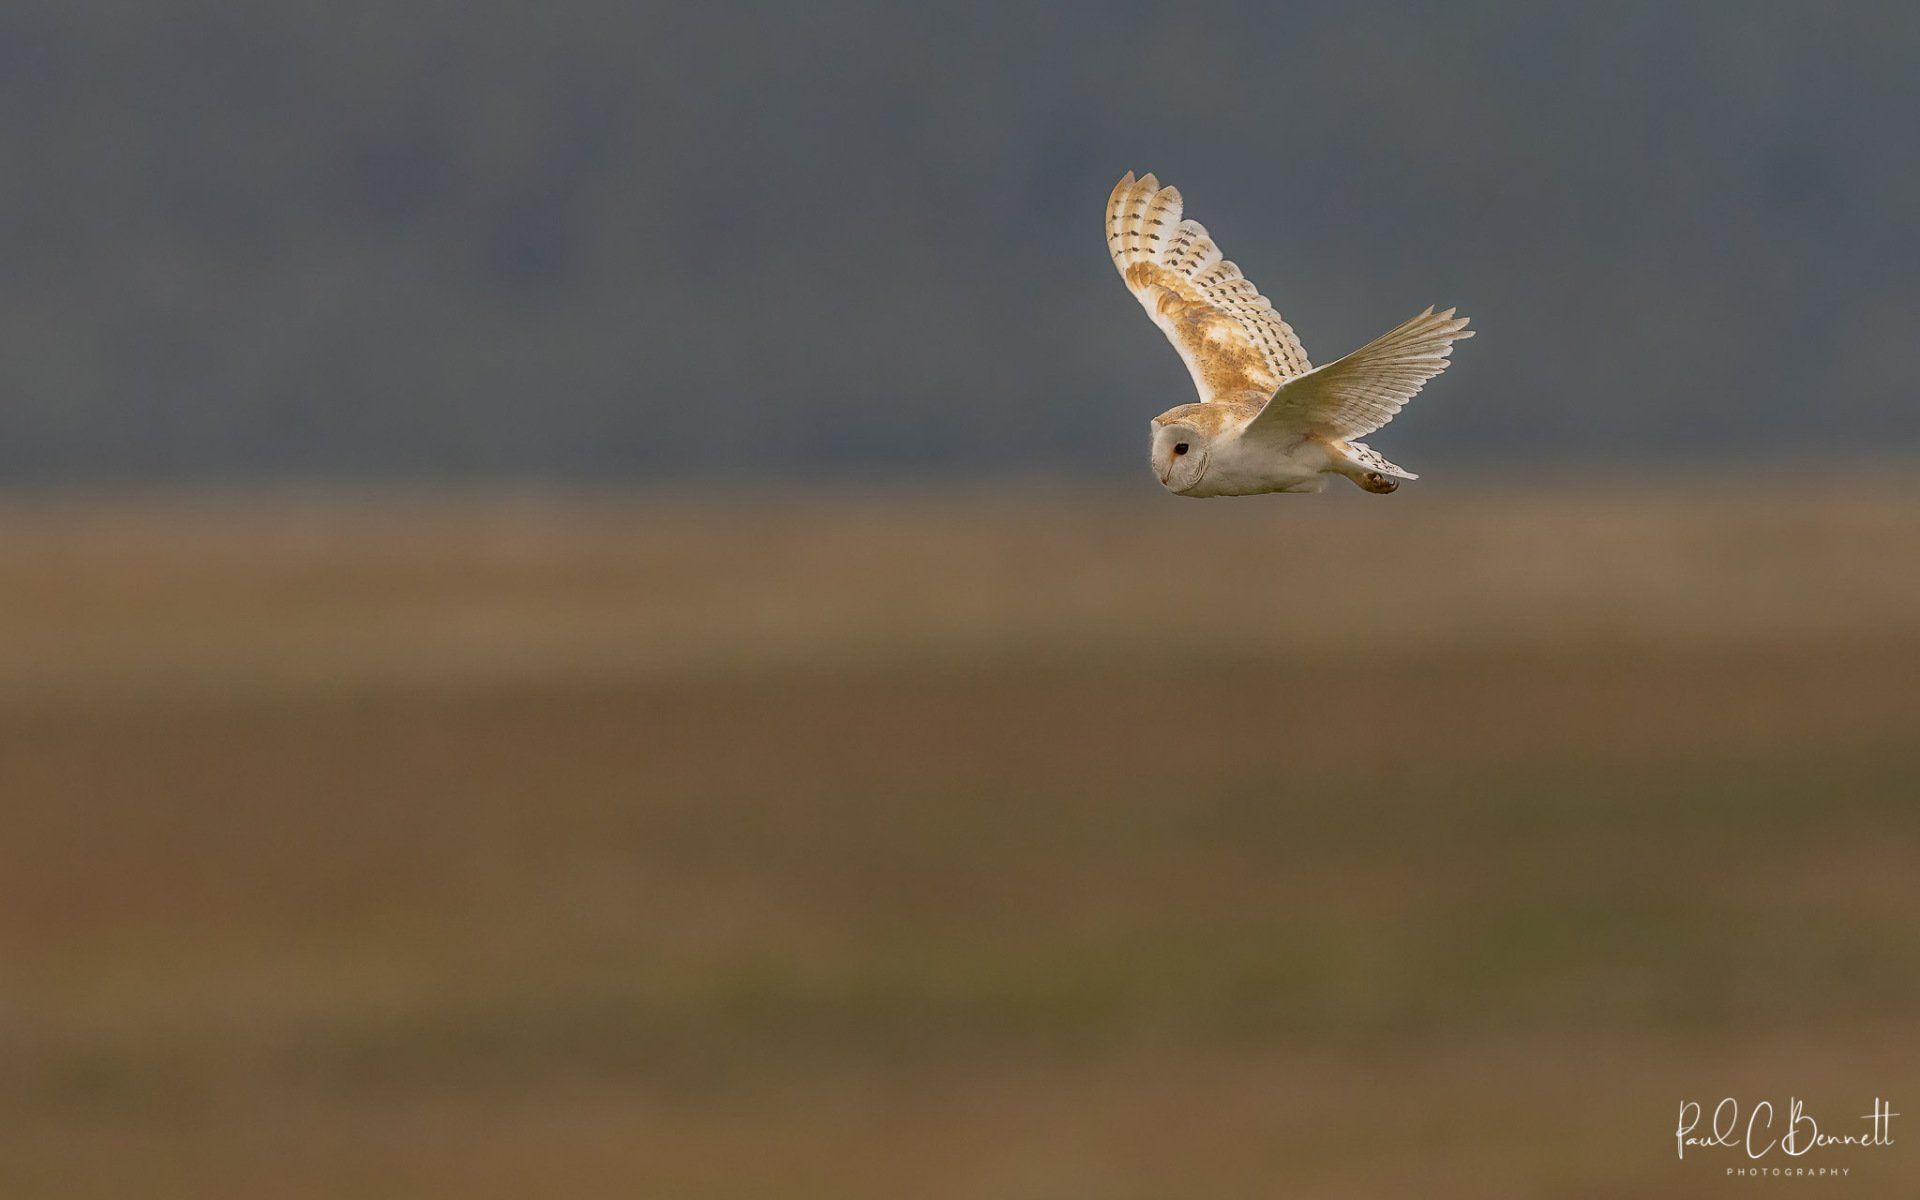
945	846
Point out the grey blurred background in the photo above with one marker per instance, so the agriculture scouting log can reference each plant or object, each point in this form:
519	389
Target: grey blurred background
668	242
580	614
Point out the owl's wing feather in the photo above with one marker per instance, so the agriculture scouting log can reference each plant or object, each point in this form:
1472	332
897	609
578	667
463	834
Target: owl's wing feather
1227	333
1353	396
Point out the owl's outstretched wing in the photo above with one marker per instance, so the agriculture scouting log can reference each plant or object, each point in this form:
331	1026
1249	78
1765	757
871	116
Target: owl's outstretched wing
1227	333
1353	396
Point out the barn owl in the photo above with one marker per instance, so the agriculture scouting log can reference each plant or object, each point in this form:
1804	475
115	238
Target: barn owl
1268	420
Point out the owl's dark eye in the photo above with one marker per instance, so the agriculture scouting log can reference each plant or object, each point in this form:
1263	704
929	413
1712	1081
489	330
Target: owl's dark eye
1179	447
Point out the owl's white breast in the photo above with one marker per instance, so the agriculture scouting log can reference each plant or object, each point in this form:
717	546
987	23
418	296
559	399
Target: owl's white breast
1240	468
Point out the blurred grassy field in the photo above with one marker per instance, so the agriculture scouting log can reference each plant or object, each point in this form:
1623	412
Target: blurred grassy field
1047	845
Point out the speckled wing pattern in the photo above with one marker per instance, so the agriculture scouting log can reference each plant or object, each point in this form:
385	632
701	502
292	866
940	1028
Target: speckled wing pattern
1235	345
1353	396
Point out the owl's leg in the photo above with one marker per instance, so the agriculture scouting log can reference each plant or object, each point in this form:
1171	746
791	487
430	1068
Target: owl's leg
1373	481
1367	467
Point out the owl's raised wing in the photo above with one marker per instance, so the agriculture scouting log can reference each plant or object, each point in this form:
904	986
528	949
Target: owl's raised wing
1353	396
1227	333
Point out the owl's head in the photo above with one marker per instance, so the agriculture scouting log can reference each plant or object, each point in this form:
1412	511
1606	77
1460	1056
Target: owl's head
1181	447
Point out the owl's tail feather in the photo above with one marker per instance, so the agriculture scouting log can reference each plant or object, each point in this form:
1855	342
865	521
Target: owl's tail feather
1365	458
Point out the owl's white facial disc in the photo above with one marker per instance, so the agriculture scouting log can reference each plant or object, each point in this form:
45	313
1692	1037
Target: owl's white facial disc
1179	456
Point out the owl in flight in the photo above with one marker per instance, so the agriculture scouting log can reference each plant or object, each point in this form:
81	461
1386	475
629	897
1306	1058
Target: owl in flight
1268	420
